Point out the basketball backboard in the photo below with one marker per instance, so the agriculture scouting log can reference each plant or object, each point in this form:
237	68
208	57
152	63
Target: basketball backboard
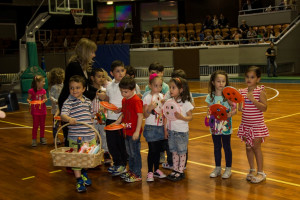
63	7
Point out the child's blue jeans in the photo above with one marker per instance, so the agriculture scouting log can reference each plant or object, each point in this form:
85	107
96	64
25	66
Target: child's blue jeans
133	148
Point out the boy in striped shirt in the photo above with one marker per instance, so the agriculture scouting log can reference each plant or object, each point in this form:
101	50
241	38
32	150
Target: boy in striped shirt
78	108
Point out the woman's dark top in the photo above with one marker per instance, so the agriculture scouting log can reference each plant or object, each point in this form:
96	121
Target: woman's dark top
73	69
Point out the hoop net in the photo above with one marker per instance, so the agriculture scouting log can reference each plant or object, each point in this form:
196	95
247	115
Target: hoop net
78	15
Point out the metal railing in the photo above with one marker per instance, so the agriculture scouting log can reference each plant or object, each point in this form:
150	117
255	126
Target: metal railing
197	44
292	24
144	72
207	70
268	9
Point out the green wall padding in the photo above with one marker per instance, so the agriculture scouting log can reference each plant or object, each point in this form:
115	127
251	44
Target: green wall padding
33	68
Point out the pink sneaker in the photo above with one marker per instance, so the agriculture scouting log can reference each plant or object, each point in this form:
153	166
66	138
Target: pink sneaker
150	177
159	174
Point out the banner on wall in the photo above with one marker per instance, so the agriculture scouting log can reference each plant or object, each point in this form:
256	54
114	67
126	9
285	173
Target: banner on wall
106	54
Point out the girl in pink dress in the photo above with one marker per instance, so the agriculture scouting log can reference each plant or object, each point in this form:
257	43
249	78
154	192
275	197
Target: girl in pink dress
253	129
38	111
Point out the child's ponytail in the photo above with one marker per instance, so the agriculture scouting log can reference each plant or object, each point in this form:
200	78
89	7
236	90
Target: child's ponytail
36	78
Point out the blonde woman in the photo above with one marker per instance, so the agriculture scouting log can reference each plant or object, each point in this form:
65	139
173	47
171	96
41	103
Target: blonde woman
79	64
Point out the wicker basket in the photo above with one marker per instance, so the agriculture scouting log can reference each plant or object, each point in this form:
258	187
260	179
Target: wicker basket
81	160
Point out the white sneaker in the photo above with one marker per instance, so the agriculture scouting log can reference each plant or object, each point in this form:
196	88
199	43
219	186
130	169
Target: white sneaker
34	143
227	172
216	172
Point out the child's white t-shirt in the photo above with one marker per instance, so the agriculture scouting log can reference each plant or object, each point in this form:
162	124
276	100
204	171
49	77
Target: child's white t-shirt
115	97
154	120
180	125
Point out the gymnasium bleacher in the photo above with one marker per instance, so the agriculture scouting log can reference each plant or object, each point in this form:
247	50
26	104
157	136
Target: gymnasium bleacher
69	37
64	39
190	29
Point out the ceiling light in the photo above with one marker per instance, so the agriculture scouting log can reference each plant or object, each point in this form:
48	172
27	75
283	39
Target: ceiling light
109	2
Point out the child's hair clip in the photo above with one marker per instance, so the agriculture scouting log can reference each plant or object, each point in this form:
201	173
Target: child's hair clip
152	76
178	79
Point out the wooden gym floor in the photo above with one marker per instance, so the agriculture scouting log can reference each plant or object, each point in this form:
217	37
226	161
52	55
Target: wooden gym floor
28	173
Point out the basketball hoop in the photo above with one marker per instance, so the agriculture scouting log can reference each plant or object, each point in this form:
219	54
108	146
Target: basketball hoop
77	14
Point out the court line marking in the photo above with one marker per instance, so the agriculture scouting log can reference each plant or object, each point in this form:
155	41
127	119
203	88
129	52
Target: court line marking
288	90
10	113
15	124
243	173
21	127
199	97
201	107
277	93
55	171
14	127
25	126
48	107
200	164
238	127
30	177
210	166
203	136
199	113
282	117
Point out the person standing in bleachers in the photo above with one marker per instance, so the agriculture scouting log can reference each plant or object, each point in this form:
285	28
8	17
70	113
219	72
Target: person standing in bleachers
271	60
244	28
128	28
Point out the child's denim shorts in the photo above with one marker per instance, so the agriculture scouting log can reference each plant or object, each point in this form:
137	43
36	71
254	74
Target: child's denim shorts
153	133
178	141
